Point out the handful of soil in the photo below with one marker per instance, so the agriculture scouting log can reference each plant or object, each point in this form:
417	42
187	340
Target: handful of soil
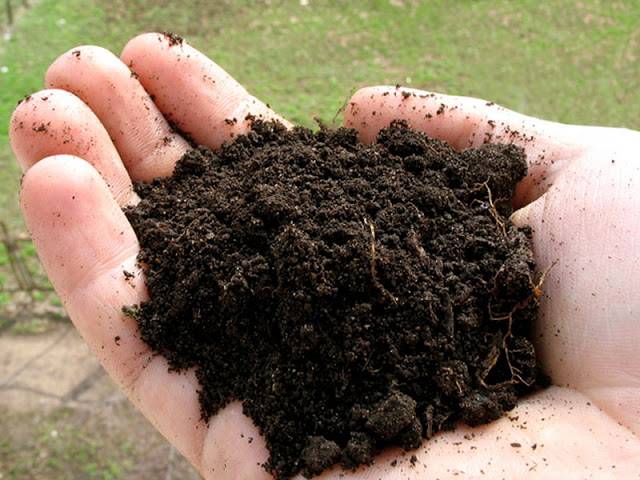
352	296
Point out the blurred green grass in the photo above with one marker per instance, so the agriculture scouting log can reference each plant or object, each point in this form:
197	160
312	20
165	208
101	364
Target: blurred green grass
569	61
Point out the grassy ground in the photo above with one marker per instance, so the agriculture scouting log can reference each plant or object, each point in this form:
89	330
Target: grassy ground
62	449
572	61
67	444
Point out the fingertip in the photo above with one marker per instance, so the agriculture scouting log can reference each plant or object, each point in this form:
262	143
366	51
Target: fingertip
51	192
146	42
373	108
55	182
155	48
66	64
521	216
370	92
358	116
231	439
29	119
529	214
129	51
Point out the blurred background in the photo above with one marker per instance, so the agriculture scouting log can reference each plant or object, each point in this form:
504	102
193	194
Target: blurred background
566	60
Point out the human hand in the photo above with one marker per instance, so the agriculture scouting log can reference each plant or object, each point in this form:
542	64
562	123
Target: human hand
588	222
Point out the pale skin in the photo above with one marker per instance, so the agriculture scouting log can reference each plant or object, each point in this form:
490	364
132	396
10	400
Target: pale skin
97	128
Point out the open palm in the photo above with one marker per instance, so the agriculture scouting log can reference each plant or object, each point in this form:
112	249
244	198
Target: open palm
105	122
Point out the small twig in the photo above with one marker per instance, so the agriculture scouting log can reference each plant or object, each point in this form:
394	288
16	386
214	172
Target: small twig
85	384
494	355
372	229
374	272
536	293
515	373
9	12
494	211
429	415
413	240
88	406
20	271
343	106
31	390
537	288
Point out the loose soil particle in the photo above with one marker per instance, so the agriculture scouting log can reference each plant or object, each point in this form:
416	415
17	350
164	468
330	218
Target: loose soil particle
352	296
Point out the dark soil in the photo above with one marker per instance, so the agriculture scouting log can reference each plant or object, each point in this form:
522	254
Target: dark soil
352	296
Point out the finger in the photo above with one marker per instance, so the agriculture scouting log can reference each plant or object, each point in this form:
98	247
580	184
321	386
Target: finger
85	244
147	145
465	122
553	434
191	90
53	122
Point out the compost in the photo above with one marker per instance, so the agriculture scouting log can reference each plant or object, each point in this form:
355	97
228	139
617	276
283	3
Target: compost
351	296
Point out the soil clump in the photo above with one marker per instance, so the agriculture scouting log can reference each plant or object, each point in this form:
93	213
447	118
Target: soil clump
352	296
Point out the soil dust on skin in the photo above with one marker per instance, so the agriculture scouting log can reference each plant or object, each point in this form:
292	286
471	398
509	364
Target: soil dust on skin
352	296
